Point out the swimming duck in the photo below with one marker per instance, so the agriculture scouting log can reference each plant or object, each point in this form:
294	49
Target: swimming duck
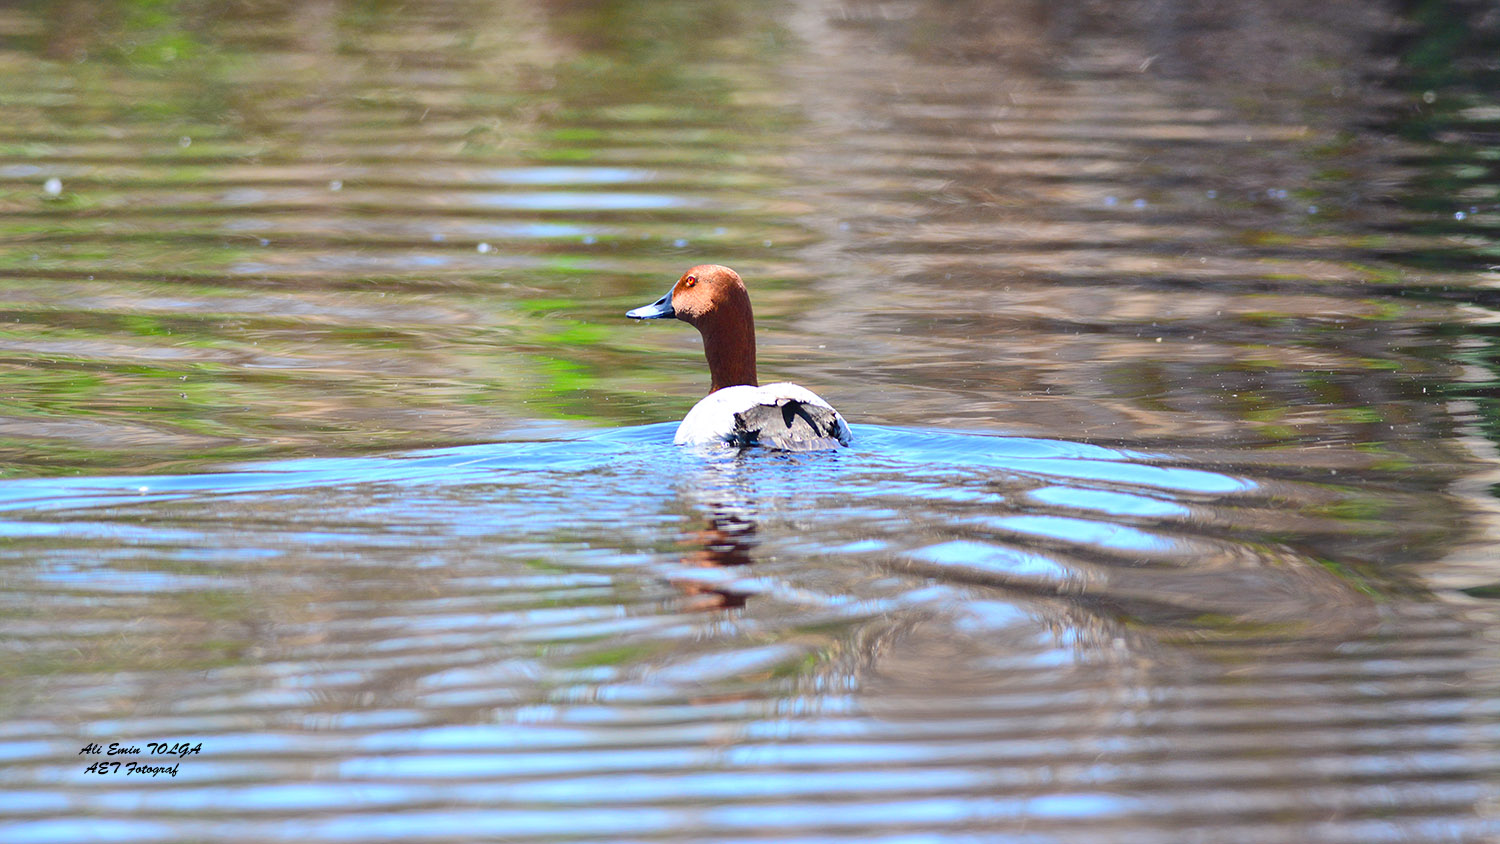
737	410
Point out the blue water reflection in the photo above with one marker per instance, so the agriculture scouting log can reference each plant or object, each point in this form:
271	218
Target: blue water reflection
1005	561
566	175
650	457
580	201
1108	501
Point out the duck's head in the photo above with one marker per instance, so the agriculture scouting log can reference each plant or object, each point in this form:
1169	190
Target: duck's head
713	299
706	293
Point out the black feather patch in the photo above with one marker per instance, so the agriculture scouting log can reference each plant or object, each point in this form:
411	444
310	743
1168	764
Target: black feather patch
789	425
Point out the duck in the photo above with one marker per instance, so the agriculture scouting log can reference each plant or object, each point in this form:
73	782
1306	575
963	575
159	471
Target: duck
738	411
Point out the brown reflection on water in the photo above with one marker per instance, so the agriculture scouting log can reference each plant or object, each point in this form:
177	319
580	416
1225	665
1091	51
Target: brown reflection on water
724	542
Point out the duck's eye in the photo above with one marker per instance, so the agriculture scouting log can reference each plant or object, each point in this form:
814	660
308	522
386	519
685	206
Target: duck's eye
690	281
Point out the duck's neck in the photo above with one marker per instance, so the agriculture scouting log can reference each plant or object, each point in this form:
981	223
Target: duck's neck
729	345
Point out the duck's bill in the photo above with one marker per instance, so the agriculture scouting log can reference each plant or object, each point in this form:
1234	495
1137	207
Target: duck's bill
660	309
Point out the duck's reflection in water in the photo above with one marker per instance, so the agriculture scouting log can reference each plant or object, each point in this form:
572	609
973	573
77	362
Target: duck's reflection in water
722	497
724	542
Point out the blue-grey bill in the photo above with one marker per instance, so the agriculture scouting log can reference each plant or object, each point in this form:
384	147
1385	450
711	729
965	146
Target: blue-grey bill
660	309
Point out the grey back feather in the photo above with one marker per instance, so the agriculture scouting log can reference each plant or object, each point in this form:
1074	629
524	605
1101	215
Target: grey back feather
790	425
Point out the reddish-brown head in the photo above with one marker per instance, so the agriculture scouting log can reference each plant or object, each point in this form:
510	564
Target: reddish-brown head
710	293
713	299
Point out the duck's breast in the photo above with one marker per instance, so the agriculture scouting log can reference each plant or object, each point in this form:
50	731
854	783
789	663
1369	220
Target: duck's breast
780	415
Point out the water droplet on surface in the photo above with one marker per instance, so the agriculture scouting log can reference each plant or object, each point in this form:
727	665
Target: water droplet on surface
1459	215
1213	194
588	240
1429	97
1312	209
184	142
1139	203
484	248
336	185
53	186
1110	201
679	243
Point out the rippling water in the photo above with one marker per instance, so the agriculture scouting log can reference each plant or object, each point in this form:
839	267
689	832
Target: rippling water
1167	334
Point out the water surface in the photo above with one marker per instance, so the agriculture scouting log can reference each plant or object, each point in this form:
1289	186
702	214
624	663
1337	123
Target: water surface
1168	342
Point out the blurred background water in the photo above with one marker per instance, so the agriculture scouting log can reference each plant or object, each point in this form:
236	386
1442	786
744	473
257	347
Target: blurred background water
1169	332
